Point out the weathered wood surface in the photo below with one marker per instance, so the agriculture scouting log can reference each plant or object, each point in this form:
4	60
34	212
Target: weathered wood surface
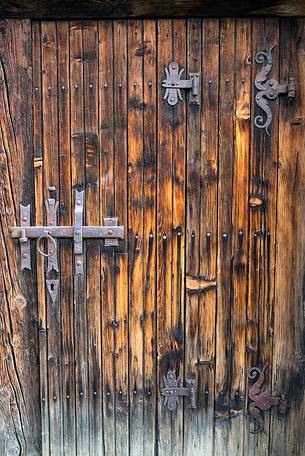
209	280
19	374
63	9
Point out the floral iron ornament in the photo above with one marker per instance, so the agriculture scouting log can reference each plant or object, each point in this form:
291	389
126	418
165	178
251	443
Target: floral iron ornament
261	400
269	90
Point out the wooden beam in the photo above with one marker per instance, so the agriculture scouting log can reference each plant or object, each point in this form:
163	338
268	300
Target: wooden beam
68	9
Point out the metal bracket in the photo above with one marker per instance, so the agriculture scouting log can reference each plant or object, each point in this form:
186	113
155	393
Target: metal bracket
173	388
269	90
111	232
261	400
173	84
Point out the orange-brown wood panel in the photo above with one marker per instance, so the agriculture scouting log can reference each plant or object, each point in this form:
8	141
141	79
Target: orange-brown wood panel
224	236
149	234
288	340
135	233
121	211
107	209
262	224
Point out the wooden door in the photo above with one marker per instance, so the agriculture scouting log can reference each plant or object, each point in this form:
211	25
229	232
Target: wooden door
209	280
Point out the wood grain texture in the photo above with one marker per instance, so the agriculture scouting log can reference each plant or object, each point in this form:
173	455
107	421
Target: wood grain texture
137	8
208	281
288	341
20	428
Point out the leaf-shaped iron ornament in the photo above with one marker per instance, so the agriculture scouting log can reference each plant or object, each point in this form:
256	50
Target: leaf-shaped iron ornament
261	400
268	89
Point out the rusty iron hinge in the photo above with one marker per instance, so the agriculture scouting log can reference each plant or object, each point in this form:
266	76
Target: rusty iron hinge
111	232
173	388
269	90
173	84
261	400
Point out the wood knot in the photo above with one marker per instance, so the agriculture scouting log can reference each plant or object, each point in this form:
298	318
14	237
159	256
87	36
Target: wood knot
142	49
256	201
20	301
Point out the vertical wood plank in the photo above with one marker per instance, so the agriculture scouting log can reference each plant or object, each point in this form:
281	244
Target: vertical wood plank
66	249
206	279
135	233
178	229
208	231
168	358
78	183
121	211
51	187
92	160
149	236
262	224
288	361
106	125
240	231
39	220
192	323
20	413
224	236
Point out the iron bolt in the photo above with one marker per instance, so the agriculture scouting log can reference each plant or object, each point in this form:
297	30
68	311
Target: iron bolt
110	231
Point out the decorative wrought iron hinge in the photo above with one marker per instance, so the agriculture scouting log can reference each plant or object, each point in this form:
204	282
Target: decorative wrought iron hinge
173	388
111	232
261	400
173	84
269	90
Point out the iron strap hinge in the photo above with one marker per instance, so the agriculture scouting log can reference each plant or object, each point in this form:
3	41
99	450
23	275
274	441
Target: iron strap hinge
173	388
173	84
111	232
269	90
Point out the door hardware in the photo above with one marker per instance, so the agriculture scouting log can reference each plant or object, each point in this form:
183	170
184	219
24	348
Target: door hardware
269	90
173	84
173	388
111	232
261	400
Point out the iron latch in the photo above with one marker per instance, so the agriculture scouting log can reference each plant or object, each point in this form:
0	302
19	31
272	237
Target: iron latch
173	388
269	90
173	84
111	232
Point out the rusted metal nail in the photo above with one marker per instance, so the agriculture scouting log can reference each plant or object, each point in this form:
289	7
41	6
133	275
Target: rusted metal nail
94	393
208	234
225	235
78	262
68	397
151	236
76	86
110	232
105	84
149	83
54	397
81	393
90	86
25	219
120	84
